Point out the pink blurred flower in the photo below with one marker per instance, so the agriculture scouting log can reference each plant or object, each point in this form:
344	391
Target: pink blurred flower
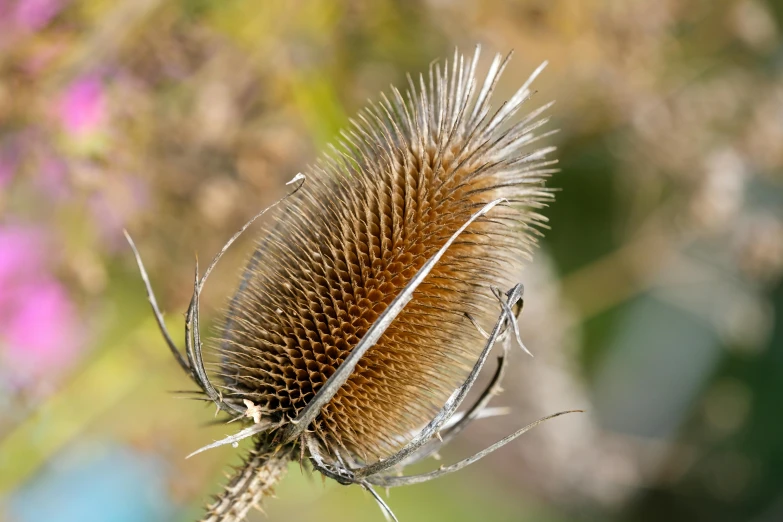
41	328
38	321
82	105
35	14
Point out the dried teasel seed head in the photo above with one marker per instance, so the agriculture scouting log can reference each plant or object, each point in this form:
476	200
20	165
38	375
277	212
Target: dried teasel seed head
360	323
410	171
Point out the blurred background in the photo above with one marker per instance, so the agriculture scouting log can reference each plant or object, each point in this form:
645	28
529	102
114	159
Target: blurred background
655	302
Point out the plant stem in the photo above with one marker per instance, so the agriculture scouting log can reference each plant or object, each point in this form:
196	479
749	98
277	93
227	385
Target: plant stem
253	482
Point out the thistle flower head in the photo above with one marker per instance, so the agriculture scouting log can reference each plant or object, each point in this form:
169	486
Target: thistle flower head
359	324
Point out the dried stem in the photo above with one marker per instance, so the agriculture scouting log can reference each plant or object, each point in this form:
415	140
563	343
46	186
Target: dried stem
252	483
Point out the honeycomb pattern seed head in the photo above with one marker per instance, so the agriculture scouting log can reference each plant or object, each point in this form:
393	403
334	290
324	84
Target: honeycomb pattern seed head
406	175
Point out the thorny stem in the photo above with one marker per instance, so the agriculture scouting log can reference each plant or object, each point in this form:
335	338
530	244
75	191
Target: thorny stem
253	482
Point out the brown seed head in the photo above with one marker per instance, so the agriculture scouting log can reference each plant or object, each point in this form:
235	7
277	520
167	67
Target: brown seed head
410	172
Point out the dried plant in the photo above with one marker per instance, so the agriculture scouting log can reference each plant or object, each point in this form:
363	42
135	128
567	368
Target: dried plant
359	318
